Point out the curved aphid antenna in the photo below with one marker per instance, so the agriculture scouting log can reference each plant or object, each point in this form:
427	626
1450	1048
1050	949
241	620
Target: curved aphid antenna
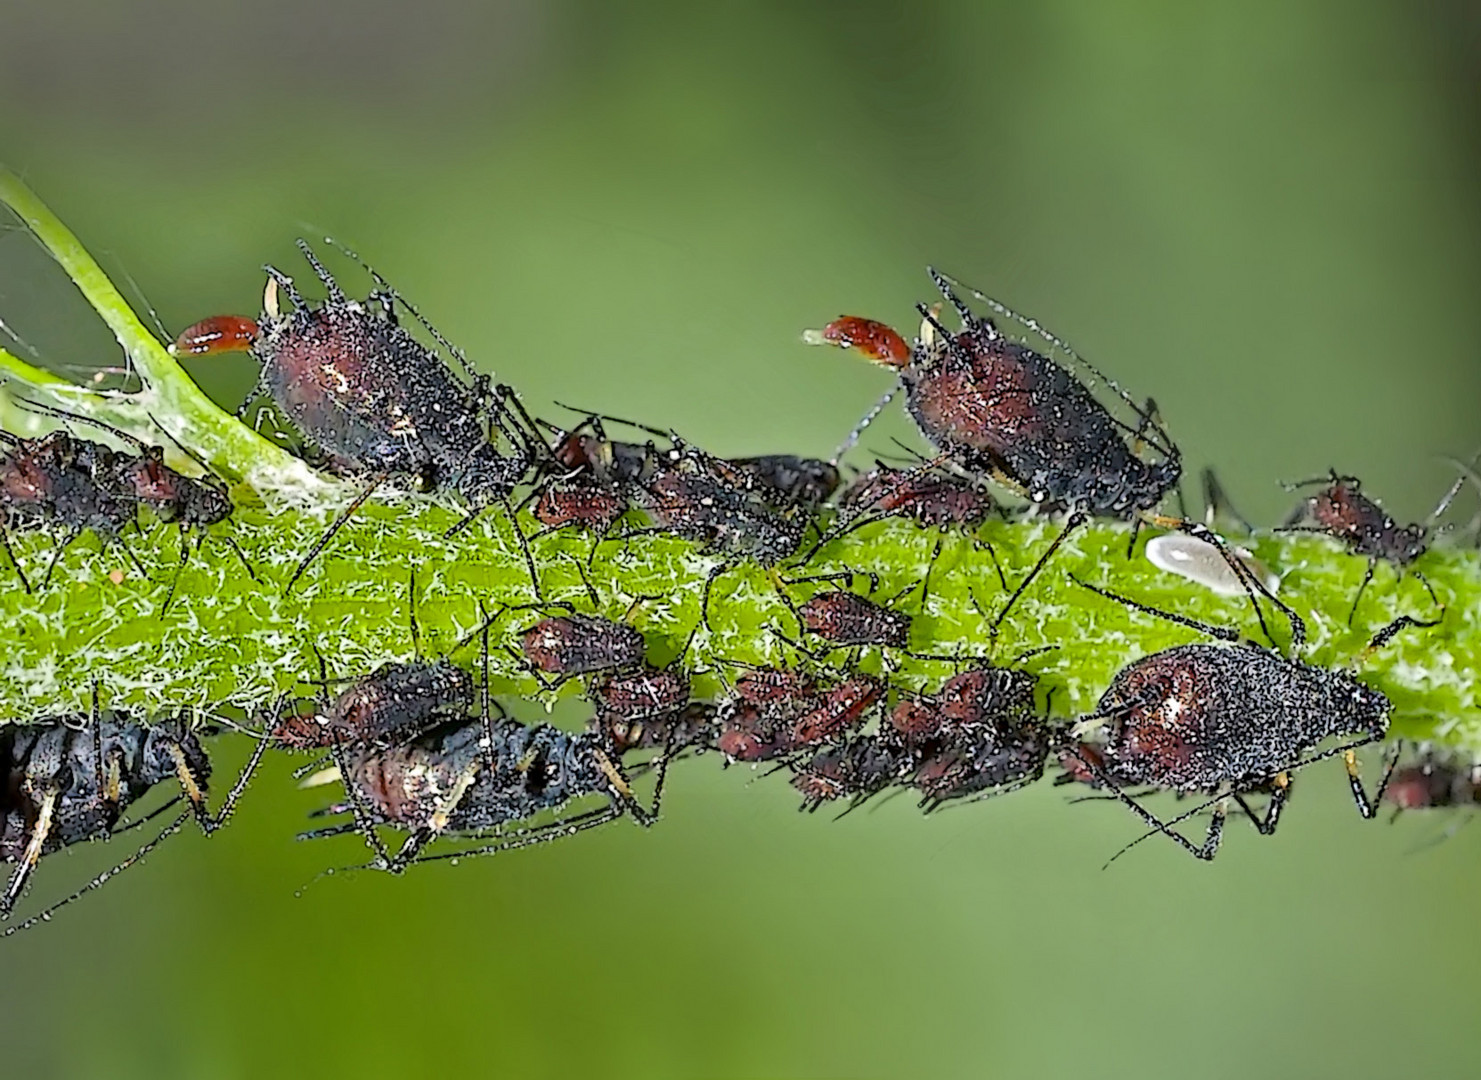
1147	414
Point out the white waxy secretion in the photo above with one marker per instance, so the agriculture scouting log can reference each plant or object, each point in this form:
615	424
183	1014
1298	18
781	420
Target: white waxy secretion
1200	562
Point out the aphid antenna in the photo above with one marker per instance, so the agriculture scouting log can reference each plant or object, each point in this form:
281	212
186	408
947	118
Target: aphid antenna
868	418
276	280
953	346
670	435
63	414
945	282
1467	472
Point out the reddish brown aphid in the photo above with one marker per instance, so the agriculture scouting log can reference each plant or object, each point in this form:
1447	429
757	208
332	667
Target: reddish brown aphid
748	733
580	502
925	495
772	688
396	702
755	720
844	618
633	704
1434	783
1341	510
58	479
843	707
575	644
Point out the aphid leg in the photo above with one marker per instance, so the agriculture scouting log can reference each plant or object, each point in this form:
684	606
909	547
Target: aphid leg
868	418
570	826
1075	521
1242	573
339	523
1216	504
1393	629
10	554
40	830
1367	577
1223	633
1366	806
229	542
364	821
102	879
57	555
1266	823
175	578
229	804
1205	851
704	602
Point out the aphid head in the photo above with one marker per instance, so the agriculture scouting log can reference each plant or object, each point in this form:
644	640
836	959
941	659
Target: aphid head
1364	711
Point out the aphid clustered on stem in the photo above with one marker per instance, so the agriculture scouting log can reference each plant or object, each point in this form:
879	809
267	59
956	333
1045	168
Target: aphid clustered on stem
854	691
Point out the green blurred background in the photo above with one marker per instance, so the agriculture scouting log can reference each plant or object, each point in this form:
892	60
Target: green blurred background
1266	215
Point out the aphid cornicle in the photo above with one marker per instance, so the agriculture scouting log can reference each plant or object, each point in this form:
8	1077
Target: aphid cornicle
1230	720
373	399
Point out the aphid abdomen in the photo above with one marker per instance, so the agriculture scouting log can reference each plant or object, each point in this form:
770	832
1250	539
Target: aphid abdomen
410	783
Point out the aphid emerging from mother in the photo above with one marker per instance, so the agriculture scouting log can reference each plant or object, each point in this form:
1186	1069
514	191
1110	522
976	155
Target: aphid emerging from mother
998	408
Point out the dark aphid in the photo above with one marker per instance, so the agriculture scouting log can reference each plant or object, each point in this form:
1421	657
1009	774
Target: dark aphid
391	705
693	725
994	759
755	721
789	480
373	399
1341	510
58	479
71	779
1230	720
1000	409
856	769
481	775
924	494
192	503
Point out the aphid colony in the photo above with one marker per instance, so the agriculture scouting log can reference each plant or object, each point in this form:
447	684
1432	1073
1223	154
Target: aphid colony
423	749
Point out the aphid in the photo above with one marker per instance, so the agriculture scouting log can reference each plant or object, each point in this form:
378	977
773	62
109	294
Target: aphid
1341	510
1230	720
995	759
377	402
672	730
60	479
481	775
568	645
643	699
192	503
790	480
1434	782
774	712
70	779
856	769
392	704
998	408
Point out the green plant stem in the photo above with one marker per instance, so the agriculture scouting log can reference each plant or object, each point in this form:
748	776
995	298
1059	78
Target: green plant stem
230	640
